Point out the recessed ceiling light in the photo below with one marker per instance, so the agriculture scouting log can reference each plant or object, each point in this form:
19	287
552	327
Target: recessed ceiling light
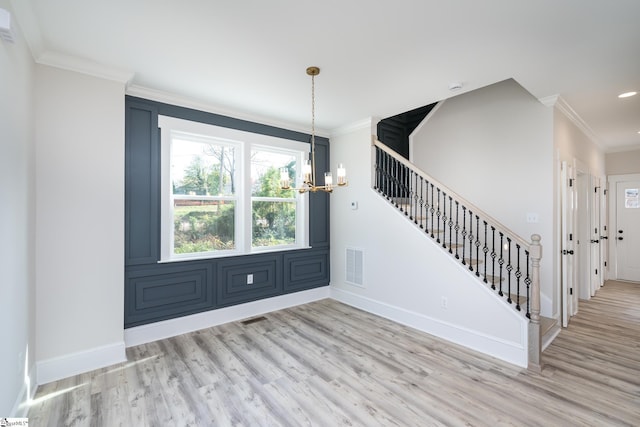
626	94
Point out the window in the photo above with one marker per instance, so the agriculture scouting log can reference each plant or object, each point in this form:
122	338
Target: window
221	192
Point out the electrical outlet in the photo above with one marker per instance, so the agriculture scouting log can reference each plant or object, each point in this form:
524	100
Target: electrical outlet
532	218
444	303
249	279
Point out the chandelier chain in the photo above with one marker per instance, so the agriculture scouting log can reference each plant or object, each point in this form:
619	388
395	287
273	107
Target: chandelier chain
309	167
313	128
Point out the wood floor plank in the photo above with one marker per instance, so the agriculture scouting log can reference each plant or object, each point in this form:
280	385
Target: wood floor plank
329	364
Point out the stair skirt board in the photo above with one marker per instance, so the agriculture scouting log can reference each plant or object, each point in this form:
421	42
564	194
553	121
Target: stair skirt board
403	207
510	351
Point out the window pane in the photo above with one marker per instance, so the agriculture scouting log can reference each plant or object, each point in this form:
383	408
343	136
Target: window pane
274	223
265	173
203	225
200	168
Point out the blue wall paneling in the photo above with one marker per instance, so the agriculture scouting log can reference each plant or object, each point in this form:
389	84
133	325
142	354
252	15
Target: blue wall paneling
155	291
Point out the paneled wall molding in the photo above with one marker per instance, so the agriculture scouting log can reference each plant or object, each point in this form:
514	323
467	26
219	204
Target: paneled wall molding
156	291
84	66
76	363
182	325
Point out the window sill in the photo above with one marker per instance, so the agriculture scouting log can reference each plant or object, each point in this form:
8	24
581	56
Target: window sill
235	254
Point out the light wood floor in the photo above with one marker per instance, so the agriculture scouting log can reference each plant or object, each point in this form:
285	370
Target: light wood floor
327	364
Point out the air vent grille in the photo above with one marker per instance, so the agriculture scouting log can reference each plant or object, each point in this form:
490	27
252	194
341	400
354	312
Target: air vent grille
354	266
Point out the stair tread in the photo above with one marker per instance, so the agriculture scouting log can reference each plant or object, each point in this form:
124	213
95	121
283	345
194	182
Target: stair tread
546	324
518	300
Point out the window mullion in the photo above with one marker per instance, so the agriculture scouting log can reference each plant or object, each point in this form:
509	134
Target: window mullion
245	226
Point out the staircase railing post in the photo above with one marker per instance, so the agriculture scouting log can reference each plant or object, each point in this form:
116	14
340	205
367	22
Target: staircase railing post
535	341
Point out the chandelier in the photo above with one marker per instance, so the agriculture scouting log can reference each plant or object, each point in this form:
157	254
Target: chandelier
309	166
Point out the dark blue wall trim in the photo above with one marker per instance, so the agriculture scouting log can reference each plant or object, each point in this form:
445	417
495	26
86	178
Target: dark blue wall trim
304	270
224	121
163	291
155	292
233	273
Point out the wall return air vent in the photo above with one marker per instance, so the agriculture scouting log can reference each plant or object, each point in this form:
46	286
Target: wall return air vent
354	266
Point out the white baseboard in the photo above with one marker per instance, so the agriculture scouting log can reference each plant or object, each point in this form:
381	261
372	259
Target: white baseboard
182	325
27	392
511	352
77	363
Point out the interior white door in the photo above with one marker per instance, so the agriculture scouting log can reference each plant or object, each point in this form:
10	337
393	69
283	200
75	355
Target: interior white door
604	232
596	267
568	233
627	232
583	235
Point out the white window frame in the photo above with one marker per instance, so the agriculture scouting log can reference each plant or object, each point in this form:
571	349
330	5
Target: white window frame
244	142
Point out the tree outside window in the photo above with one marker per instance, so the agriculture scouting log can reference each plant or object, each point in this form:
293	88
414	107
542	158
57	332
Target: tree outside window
222	195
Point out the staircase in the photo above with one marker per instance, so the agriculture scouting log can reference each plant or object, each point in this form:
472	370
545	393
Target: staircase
496	256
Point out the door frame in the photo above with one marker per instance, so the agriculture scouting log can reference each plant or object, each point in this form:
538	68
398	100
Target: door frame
568	294
596	231
612	184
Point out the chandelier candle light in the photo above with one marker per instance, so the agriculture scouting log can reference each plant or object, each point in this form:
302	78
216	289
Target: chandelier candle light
309	166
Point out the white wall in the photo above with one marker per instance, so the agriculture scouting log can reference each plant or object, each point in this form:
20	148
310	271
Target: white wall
572	145
17	337
494	147
79	222
571	142
624	162
406	275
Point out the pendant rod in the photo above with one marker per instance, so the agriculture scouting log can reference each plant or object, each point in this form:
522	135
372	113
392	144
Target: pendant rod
313	72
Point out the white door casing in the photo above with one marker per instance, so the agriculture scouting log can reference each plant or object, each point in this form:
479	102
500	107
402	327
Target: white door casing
604	231
594	241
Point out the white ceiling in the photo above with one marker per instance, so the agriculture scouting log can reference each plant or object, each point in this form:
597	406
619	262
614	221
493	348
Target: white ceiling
377	58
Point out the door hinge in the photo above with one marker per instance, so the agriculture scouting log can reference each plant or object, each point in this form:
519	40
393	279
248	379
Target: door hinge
570	291
571	236
595	189
570	182
596	271
605	263
605	191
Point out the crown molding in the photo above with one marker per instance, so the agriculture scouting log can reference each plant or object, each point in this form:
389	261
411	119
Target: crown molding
367	123
85	66
28	26
563	106
623	149
549	101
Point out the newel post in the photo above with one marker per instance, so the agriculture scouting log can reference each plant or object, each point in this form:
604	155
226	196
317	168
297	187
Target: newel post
535	340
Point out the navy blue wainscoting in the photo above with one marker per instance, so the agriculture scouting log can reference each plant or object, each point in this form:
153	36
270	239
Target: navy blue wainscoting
305	269
155	291
170	290
235	287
